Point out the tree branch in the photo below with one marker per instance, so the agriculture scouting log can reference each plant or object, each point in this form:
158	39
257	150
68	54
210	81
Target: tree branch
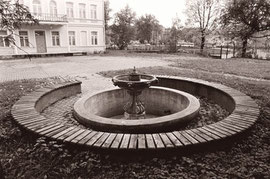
263	36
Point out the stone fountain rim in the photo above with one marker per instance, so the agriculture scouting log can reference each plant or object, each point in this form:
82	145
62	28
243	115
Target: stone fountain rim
85	117
115	80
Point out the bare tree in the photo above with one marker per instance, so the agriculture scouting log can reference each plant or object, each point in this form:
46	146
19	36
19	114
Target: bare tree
247	20
203	14
12	16
107	11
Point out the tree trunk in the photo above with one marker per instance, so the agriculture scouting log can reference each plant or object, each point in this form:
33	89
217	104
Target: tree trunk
1	172
244	47
202	41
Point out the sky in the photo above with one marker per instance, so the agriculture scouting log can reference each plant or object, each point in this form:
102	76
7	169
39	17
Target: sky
163	10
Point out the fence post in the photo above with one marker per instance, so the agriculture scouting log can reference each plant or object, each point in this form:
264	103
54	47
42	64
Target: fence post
233	49
221	52
227	51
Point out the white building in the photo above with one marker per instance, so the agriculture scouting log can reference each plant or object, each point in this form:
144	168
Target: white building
64	26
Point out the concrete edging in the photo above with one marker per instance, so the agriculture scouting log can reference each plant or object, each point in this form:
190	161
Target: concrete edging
157	124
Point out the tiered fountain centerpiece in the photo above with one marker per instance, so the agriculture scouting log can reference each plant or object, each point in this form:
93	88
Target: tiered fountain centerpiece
121	109
134	83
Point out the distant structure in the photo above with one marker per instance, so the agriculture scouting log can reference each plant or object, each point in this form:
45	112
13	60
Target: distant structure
64	26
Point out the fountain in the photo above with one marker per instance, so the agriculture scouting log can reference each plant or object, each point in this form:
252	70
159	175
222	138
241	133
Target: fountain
171	106
122	110
134	83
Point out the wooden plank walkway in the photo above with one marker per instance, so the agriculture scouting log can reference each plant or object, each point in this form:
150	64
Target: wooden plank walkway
244	115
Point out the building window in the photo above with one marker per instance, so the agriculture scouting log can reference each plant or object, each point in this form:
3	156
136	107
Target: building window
36	7
53	8
71	38
82	11
24	38
94	38
3	40
55	38
93	9
70	13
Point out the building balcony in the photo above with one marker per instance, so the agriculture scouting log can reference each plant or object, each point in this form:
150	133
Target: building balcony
51	18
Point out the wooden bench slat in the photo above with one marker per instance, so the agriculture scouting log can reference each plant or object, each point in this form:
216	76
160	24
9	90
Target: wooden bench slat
39	125
109	140
102	139
216	132
241	120
246	118
21	119
205	135
52	125
81	136
125	141
87	137
158	141
141	141
56	131
166	140
68	139
210	134
248	109
250	105
94	138
181	138
150	141
246	112
69	133
233	127
133	141
62	132
24	111
195	136
174	139
243	117
250	113
51	129
188	137
26	101
221	129
23	105
237	123
33	121
24	114
230	127
117	141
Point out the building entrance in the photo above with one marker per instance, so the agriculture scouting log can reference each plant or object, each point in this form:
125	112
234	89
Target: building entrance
40	42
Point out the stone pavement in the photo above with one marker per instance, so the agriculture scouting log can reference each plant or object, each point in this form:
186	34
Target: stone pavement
83	68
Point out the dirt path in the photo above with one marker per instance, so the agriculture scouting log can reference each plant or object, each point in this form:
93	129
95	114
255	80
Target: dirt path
83	68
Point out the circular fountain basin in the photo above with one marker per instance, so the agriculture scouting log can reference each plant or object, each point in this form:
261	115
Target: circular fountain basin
145	81
172	107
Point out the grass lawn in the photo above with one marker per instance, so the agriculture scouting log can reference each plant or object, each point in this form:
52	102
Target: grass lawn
237	66
24	155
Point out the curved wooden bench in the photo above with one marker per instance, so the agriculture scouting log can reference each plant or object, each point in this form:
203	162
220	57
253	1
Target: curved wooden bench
243	114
